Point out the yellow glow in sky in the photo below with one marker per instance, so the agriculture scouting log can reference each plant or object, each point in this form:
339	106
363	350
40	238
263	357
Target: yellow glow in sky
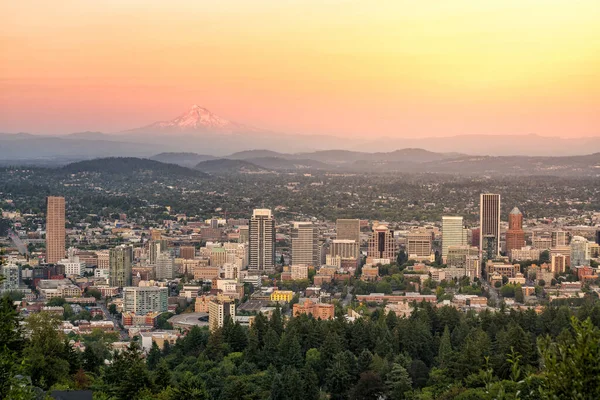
387	68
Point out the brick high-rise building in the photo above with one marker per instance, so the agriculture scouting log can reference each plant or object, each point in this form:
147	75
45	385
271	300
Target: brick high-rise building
489	225
515	236
187	252
55	229
262	242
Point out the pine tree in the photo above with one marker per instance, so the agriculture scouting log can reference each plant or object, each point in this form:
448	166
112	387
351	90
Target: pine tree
162	375
277	389
290	351
398	382
339	376
310	384
153	356
364	361
445	349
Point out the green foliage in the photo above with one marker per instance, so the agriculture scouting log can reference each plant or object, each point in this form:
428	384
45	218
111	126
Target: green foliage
571	366
435	353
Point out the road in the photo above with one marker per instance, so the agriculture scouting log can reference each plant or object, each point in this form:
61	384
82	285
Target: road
348	297
122	332
492	291
18	242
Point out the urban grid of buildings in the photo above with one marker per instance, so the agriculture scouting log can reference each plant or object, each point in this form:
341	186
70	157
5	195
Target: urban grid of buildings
231	269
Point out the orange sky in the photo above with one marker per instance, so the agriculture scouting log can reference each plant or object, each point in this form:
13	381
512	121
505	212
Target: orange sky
378	67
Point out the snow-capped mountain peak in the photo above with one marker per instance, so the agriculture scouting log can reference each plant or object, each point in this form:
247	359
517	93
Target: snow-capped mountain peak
197	119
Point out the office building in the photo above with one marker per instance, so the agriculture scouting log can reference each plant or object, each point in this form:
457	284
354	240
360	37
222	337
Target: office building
262	242
299	272
73	266
187	252
381	243
244	234
579	251
560	238
541	241
142	300
155	234
120	259
348	229
418	245
489	225
526	253
344	248
155	247
218	312
457	255
453	233
515	236
164	266
305	244
55	229
559	264
12	277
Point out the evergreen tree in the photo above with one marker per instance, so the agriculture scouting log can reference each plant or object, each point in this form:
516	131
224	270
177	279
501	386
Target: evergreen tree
364	361
339	377
190	387
445	349
11	343
162	375
270	351
278	389
398	383
153	357
290	352
310	384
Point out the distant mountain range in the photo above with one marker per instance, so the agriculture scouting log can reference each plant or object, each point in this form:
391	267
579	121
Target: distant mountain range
418	162
199	131
406	160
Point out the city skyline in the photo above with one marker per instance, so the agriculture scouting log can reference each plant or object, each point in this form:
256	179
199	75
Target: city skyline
400	69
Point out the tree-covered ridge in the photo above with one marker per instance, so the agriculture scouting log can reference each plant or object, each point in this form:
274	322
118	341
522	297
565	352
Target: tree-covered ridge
128	165
435	353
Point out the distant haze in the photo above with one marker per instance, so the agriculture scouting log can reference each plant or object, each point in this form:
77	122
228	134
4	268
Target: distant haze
400	69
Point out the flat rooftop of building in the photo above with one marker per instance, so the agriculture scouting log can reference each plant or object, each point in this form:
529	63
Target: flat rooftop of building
190	319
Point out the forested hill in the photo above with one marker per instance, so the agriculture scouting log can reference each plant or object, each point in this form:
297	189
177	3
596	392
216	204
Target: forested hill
127	165
434	353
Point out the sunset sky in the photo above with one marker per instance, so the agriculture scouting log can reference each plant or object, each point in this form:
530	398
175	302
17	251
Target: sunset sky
401	68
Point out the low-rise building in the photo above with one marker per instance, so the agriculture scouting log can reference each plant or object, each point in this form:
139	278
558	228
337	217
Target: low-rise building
317	310
282	295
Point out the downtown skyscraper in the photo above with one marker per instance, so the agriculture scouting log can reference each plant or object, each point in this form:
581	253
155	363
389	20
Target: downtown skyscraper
453	233
489	225
262	242
55	229
515	236
305	244
120	259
